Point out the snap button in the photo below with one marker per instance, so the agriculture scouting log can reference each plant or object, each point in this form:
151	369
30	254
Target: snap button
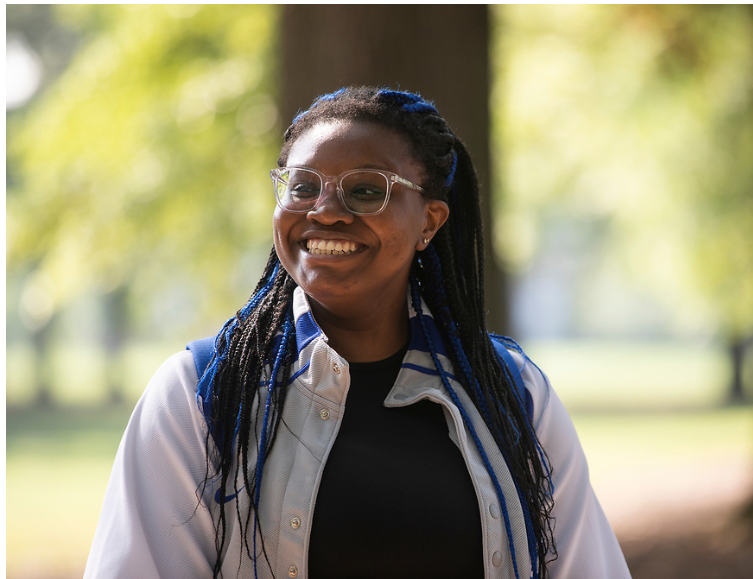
494	510
496	559
295	522
293	571
324	413
336	368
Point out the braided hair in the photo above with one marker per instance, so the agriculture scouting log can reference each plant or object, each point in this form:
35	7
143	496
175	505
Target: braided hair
244	398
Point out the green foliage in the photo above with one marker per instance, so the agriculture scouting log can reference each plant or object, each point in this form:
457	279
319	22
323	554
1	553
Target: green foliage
146	162
638	119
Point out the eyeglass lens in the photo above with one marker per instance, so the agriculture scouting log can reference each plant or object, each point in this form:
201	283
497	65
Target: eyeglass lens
363	191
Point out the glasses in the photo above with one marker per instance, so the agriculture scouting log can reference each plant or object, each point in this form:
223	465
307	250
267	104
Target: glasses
361	191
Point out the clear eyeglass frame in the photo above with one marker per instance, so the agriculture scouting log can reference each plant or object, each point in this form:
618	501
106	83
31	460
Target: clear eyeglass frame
390	179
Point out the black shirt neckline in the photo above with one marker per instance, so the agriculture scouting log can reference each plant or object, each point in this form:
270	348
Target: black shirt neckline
393	360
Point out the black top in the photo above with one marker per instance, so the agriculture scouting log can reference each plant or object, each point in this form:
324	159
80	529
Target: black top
395	499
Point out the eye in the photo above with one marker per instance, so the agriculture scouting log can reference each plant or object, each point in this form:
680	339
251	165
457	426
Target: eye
303	185
365	186
304	189
366	191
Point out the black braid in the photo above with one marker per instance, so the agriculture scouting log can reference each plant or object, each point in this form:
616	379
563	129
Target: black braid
457	292
453	289
236	385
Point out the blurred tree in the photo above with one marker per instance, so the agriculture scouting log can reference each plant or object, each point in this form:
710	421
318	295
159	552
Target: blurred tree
640	118
144	166
441	52
150	150
37	50
707	65
48	47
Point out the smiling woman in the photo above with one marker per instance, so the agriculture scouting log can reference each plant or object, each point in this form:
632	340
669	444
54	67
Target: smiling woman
364	289
355	418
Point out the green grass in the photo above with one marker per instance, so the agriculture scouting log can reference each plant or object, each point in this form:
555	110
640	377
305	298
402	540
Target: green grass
615	442
77	373
633	375
58	463
697	434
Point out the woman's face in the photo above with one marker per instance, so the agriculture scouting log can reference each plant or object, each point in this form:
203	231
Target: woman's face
374	272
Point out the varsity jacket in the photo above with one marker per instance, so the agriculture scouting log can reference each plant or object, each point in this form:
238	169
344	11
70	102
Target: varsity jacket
158	518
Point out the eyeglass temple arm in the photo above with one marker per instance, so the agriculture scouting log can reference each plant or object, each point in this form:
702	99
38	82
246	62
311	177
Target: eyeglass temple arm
399	179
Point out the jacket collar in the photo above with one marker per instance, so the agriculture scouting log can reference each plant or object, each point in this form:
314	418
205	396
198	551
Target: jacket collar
418	374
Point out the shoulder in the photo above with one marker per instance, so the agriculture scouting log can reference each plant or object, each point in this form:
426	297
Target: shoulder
169	402
167	426
175	378
532	384
536	384
152	499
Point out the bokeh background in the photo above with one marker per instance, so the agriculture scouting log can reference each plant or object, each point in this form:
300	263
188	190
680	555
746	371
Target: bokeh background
616	143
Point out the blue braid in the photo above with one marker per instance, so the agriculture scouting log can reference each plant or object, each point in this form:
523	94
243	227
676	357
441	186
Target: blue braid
419	108
512	424
432	266
206	381
416	300
325	97
331	96
411	102
434	269
299	116
400	97
526	360
467	372
430	262
262	455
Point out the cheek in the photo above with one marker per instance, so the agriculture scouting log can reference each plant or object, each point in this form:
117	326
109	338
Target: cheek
281	225
399	245
406	231
277	219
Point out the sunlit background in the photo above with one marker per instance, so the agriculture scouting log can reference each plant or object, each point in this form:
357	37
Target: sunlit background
139	140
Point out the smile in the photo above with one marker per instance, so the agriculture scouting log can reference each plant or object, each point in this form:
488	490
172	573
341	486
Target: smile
330	246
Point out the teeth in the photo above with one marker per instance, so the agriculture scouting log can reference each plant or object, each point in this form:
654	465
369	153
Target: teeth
324	247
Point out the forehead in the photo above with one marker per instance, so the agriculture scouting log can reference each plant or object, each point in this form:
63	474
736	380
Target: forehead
341	145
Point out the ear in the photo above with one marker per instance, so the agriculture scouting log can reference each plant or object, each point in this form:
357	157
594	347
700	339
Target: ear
436	213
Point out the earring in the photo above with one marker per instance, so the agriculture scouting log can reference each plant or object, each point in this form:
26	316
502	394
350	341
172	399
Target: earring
426	241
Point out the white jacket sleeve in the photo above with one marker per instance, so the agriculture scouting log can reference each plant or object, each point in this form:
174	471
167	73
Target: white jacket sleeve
153	525
587	547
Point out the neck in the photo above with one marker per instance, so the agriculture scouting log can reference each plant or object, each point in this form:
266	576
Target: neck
365	337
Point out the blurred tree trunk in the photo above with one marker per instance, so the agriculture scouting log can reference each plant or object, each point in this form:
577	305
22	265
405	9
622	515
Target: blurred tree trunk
115	333
440	51
738	348
41	339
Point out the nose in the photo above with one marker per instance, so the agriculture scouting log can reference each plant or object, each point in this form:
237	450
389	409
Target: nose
330	209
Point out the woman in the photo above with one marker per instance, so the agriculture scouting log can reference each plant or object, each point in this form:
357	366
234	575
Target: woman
356	419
